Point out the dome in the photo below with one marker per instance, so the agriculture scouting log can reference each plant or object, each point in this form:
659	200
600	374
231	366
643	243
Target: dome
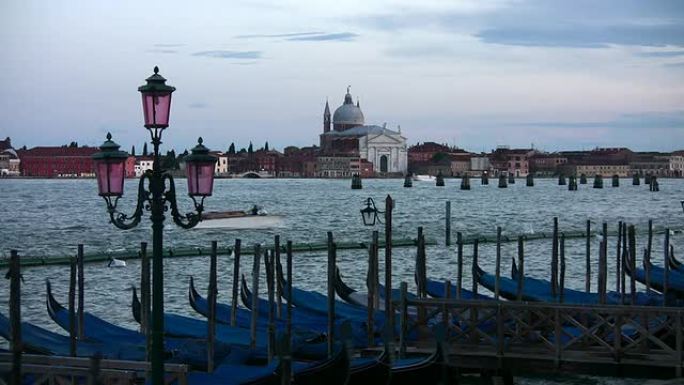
347	115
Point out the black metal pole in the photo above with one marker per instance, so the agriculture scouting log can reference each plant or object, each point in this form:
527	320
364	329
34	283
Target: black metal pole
157	217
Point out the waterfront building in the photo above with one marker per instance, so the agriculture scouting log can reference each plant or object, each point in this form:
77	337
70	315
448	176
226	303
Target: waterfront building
460	163
352	139
480	164
425	152
221	167
546	164
652	163
142	164
511	161
676	163
58	162
5	144
606	169
9	162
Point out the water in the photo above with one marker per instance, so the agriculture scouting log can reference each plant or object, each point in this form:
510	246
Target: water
50	217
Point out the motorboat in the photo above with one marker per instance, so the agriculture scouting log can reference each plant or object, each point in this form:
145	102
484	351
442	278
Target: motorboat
254	218
424	178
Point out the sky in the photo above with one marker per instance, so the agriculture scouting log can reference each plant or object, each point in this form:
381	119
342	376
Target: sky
473	74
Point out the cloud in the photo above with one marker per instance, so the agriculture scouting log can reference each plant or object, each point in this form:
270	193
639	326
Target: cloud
198	105
640	121
664	54
169	45
156	50
224	54
342	36
277	35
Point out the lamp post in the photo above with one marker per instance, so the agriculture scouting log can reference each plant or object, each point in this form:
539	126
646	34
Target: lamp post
369	214
156	194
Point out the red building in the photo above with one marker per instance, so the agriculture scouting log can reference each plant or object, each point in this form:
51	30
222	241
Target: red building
58	161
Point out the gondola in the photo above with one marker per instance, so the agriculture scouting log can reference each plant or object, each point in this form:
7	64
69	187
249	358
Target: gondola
543	287
192	352
657	278
307	346
436	289
420	370
370	370
37	340
675	264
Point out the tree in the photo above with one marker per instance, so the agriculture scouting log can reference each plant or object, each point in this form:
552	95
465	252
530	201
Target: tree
231	149
144	149
266	146
439	156
73	144
250	149
133	150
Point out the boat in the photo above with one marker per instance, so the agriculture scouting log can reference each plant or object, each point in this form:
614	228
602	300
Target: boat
418	370
424	178
37	340
370	370
675	264
657	278
255	218
436	289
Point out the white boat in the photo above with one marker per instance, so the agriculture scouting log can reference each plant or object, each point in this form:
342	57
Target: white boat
237	220
424	178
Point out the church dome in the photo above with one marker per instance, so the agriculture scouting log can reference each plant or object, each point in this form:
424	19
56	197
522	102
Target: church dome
347	115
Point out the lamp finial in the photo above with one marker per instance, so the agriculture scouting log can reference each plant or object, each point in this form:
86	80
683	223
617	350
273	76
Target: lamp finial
156	70
109	136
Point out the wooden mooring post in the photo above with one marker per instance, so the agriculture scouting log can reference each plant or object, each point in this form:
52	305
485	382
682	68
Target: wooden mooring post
331	293
465	182
587	259
408	181
278	288
371	285
647	258
81	293
666	281
583	178
236	282
497	275
530	180
511	178
647	178
561	179
484	178
404	318
653	184
269	266
562	268
439	180
521	267
289	291
598	181
618	260
72	308
554	259
356	182
632	262
623	260
255	296
389	313
447	224
603	271
15	317
459	264
616	180
635	179
502	181
572	183
211	296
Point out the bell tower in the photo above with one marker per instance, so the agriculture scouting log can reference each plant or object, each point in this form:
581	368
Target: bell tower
326	118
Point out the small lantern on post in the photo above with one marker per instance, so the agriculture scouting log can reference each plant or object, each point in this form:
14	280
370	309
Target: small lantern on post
370	213
110	168
200	171
156	99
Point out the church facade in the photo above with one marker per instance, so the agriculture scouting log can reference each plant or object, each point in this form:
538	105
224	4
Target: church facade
345	135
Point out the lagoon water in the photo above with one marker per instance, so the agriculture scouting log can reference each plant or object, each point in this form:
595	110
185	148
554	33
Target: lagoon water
50	217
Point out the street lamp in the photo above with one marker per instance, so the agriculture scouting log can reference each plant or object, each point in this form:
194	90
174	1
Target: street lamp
370	213
156	194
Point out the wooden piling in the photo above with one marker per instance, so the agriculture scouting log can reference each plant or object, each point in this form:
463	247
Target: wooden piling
647	179
15	317
289	289
572	183
587	259
554	259
447	235
269	266
408	182
632	263
236	283
211	296
255	295
475	263
484	178
459	264
404	319
583	178
72	308
79	266
647	258
618	255
278	288
561	179
635	179
666	281
653	184
623	267
145	294
530	180
598	181
371	288
94	375
497	275
445	308
502	181
389	313
562	268
511	178
356	182
521	267
331	293
616	180
376	269
603	255
439	180
465	182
